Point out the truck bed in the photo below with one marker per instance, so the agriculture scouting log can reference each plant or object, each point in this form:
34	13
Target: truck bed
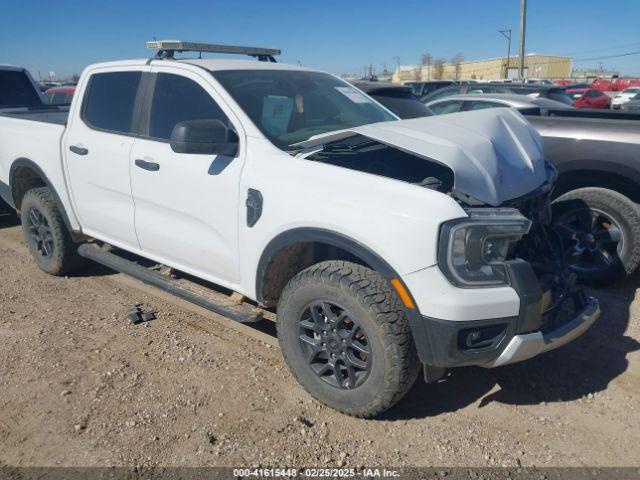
44	114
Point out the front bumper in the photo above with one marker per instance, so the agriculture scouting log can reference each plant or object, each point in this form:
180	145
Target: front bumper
535	325
528	345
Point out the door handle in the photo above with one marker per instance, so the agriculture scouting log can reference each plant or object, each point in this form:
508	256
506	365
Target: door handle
145	165
78	150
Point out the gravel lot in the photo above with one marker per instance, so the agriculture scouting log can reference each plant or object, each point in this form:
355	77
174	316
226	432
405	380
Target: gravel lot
80	386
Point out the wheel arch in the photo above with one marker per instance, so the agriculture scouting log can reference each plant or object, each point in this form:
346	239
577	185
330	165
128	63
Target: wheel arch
24	175
623	179
294	250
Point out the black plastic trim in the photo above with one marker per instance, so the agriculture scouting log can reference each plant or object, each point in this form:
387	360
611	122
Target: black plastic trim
25	162
443	348
254	206
5	194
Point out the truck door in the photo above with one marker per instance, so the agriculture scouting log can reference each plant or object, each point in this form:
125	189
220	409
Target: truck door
186	204
97	148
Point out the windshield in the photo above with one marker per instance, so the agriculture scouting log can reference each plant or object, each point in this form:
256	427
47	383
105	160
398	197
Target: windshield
291	106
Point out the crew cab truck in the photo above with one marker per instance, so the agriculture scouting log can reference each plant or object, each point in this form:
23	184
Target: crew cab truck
383	244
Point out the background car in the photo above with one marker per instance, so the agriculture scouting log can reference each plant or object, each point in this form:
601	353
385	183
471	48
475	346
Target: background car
59	95
624	96
532	90
589	98
621	84
463	103
421	89
397	98
602	84
633	105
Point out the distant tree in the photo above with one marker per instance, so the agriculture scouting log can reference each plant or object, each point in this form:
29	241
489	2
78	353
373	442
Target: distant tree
456	61
426	61
438	68
75	77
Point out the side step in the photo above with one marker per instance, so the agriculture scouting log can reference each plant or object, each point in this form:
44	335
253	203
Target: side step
189	291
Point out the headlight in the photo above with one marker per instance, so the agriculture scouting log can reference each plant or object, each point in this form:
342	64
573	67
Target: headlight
473	250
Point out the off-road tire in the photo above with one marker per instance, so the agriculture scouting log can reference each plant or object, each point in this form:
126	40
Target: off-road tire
64	257
623	211
394	363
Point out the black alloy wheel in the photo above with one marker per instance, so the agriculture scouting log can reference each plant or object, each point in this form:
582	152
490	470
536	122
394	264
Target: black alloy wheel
335	344
40	232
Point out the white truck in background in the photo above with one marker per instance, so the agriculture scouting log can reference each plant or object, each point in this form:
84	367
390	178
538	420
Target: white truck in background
383	244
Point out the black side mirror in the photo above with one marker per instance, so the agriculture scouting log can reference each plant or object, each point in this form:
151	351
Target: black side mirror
204	137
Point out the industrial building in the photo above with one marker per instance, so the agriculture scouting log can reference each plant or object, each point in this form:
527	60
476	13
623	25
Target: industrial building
536	66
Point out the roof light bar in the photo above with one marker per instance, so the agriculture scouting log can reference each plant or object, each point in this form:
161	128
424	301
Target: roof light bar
166	49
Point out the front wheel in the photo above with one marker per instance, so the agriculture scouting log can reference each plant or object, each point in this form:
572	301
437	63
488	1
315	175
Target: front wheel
346	339
600	230
45	233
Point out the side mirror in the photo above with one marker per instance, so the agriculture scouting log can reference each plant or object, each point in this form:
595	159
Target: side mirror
208	137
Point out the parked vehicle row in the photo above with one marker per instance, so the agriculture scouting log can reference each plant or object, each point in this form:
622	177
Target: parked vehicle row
382	243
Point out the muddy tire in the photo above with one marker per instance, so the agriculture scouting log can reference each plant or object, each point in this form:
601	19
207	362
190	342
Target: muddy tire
46	235
600	229
345	336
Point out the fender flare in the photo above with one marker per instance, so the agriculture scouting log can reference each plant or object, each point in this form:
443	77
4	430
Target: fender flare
375	261
26	163
329	237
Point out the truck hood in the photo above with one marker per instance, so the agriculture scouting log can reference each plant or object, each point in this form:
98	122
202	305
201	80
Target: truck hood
495	154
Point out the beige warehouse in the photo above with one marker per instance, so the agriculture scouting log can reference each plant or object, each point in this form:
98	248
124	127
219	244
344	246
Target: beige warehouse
536	66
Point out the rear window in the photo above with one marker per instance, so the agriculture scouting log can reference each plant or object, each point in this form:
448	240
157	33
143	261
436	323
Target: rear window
108	103
16	90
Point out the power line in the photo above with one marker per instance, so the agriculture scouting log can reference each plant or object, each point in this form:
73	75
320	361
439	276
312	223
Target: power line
608	56
604	49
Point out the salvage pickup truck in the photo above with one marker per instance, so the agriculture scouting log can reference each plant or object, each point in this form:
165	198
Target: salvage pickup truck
384	244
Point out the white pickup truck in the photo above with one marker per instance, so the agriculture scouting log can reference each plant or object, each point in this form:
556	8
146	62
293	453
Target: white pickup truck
384	244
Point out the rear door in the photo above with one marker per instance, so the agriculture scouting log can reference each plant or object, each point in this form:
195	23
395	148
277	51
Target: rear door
97	148
187	205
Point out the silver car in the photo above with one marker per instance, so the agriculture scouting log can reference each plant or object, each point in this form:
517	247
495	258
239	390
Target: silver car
632	105
459	103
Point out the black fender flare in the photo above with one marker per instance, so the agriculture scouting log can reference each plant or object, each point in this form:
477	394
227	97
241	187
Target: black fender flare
30	164
329	237
375	261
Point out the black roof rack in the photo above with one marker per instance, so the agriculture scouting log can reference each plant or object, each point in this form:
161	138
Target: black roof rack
167	49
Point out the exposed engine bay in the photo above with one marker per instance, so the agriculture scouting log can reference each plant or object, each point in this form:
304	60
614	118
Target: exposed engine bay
542	248
369	156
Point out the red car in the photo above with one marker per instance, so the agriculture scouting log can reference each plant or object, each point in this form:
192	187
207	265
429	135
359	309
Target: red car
602	84
59	95
563	82
589	98
620	84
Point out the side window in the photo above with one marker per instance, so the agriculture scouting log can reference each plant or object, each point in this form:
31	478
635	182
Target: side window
478	105
109	101
595	93
177	99
450	106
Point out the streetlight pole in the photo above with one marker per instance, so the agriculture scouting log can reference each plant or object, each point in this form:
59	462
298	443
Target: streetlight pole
523	28
507	34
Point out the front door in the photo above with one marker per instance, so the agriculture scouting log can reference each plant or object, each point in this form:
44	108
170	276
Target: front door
186	205
97	149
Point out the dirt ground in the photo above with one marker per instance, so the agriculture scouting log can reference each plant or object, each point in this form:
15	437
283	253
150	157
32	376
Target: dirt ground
81	386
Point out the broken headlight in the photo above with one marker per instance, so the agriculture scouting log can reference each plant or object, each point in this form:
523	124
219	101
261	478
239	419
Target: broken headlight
473	250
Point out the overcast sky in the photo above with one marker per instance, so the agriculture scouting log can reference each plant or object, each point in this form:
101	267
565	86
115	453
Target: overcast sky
340	36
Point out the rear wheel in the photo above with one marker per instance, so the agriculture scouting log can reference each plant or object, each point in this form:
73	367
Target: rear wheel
600	229
345	337
45	233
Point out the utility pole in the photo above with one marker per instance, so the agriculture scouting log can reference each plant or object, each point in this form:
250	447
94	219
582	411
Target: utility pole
507	34
523	28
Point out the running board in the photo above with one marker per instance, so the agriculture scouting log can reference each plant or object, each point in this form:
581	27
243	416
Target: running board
189	291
